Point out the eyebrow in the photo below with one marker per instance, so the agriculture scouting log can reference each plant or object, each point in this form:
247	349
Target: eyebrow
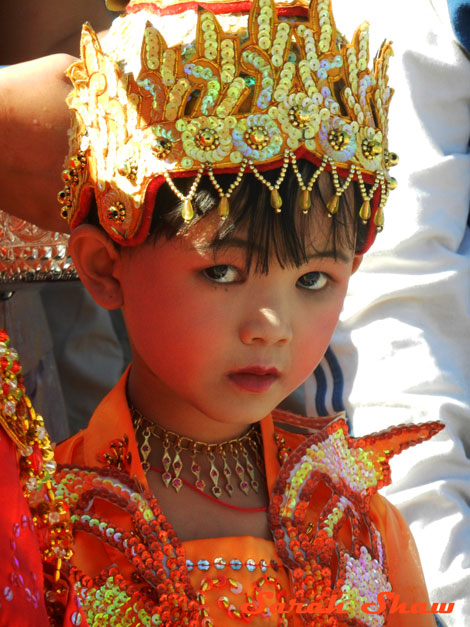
236	242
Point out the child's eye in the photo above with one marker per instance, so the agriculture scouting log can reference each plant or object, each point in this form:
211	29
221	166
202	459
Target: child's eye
222	274
313	280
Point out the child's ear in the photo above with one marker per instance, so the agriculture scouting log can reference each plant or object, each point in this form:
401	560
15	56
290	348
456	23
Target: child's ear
96	260
356	263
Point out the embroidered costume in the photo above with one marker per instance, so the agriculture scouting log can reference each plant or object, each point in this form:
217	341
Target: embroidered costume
182	89
333	535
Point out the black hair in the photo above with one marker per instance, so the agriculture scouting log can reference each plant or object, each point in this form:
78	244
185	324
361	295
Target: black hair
285	236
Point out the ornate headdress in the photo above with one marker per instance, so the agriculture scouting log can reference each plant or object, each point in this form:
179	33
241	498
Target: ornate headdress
183	89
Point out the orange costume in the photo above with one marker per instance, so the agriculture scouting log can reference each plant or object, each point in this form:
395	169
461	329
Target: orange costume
330	542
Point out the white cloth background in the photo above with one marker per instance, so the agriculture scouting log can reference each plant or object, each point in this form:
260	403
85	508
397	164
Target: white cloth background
404	336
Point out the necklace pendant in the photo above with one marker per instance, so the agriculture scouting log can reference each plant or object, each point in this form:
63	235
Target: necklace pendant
177	466
196	470
228	476
166	478
214	475
200	484
177	484
145	467
166	460
244	486
217	492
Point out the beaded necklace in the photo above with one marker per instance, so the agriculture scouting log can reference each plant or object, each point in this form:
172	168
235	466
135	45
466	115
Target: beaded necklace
217	460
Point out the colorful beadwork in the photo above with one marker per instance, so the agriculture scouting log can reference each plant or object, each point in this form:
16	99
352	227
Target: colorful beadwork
233	93
307	548
353	470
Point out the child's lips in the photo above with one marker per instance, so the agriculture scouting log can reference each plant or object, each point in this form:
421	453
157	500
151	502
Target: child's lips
255	379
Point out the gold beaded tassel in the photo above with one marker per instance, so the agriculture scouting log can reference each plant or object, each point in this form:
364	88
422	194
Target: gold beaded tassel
276	200
305	199
366	211
384	192
224	207
188	210
333	204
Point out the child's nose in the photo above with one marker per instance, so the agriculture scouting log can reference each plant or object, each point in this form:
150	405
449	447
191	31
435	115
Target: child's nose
266	326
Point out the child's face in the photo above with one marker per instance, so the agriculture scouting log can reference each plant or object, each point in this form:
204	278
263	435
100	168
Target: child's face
212	342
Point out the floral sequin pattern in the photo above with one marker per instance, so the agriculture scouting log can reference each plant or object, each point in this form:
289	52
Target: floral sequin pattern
206	139
257	137
353	470
158	561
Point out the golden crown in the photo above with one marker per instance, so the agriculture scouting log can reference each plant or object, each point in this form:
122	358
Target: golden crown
232	93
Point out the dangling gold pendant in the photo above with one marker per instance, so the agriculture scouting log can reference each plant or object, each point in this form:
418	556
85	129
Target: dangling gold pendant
379	219
188	212
276	200
305	201
333	205
223	207
364	213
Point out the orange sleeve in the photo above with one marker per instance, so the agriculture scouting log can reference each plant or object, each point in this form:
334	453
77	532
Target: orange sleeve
405	573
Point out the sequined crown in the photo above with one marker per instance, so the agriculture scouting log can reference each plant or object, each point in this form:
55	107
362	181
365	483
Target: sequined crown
231	93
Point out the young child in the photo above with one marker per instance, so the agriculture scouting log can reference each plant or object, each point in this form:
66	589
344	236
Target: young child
229	167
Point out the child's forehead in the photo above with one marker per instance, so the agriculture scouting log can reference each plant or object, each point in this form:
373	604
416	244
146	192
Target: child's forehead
208	238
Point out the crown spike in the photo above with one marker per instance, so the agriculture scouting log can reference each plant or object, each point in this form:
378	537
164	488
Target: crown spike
150	53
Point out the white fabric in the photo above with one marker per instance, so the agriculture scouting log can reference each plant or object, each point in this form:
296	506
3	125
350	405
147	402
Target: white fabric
403	341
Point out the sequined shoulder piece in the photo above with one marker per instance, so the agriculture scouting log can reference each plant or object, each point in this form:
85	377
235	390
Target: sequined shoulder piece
160	591
337	475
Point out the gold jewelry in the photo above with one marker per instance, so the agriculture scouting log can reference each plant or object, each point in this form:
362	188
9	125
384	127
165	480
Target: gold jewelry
230	92
220	459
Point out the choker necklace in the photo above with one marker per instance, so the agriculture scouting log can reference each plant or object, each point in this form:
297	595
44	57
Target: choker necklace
220	460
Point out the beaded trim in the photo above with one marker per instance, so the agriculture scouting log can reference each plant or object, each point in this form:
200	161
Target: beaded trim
231	93
221	563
